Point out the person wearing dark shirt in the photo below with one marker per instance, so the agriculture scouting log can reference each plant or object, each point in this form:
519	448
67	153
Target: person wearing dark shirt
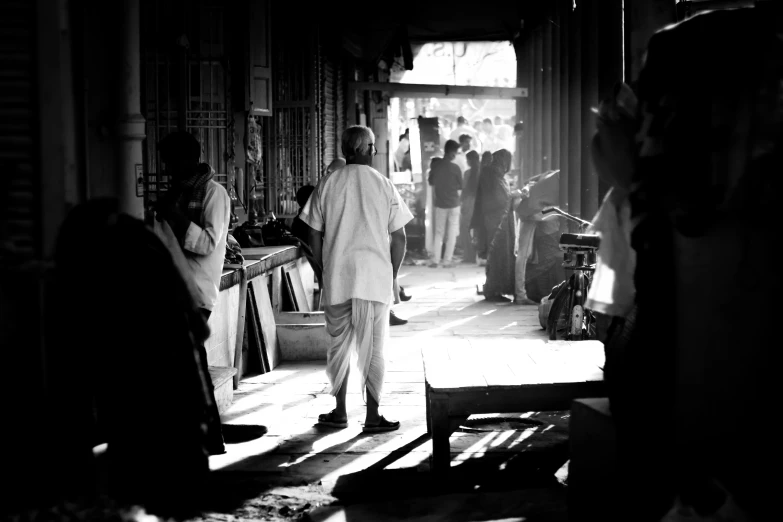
298	228
446	181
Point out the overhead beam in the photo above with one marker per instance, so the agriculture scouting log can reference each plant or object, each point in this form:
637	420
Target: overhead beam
412	90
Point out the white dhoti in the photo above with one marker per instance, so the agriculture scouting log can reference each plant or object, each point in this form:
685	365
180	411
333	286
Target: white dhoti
357	326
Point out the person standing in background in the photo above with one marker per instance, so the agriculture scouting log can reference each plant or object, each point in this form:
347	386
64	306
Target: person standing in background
468	202
464	147
464	128
402	150
478	231
298	227
504	135
446	181
488	136
494	211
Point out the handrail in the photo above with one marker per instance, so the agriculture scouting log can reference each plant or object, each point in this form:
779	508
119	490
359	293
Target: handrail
540	175
566	215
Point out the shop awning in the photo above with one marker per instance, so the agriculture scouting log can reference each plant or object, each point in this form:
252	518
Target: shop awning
376	30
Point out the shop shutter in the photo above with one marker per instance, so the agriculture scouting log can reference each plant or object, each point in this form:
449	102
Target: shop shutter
341	85
260	84
330	136
19	195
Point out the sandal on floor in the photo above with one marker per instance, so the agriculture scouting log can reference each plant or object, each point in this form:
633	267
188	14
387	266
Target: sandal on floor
327	419
383	425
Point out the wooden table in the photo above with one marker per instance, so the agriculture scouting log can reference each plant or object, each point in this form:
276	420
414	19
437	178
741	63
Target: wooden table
503	377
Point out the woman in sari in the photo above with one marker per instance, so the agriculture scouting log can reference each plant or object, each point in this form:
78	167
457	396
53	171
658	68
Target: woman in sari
478	230
468	204
494	218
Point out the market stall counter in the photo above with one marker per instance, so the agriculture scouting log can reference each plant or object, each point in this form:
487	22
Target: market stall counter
271	280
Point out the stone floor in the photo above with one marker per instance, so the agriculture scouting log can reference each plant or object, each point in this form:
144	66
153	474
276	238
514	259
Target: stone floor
298	466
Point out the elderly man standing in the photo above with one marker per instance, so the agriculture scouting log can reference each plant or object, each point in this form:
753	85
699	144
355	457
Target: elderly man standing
357	221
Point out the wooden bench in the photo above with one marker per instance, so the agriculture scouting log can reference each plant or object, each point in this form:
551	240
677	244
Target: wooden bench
504	376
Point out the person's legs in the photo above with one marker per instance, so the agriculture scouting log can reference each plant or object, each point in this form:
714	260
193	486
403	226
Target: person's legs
452	231
466	214
221	434
373	415
393	319
215	442
441	215
374	334
339	325
341	409
500	265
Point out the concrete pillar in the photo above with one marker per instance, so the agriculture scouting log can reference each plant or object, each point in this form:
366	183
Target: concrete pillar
591	63
130	122
564	9
522	104
546	97
575	115
60	179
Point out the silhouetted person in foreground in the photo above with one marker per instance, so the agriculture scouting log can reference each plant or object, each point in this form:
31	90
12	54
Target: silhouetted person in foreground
703	157
126	367
192	219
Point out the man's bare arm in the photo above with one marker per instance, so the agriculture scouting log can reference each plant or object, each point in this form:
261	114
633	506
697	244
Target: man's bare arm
316	242
398	243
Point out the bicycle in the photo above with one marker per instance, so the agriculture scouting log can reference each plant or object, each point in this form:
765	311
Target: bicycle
568	319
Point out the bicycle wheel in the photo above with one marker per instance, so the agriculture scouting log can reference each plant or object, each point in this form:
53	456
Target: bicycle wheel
558	322
564	311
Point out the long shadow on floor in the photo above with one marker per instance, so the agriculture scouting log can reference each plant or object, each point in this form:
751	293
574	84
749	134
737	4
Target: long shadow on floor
519	486
530	469
502	472
236	484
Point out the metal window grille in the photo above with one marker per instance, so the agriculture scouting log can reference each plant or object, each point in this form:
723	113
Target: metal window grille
295	120
186	85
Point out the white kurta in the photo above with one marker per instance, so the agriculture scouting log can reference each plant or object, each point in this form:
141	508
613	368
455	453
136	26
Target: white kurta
356	208
204	247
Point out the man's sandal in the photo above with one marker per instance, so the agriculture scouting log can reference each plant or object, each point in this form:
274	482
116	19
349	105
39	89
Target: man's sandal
327	419
383	425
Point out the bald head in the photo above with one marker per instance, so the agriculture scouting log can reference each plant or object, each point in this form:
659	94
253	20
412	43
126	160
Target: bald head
357	145
334	165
